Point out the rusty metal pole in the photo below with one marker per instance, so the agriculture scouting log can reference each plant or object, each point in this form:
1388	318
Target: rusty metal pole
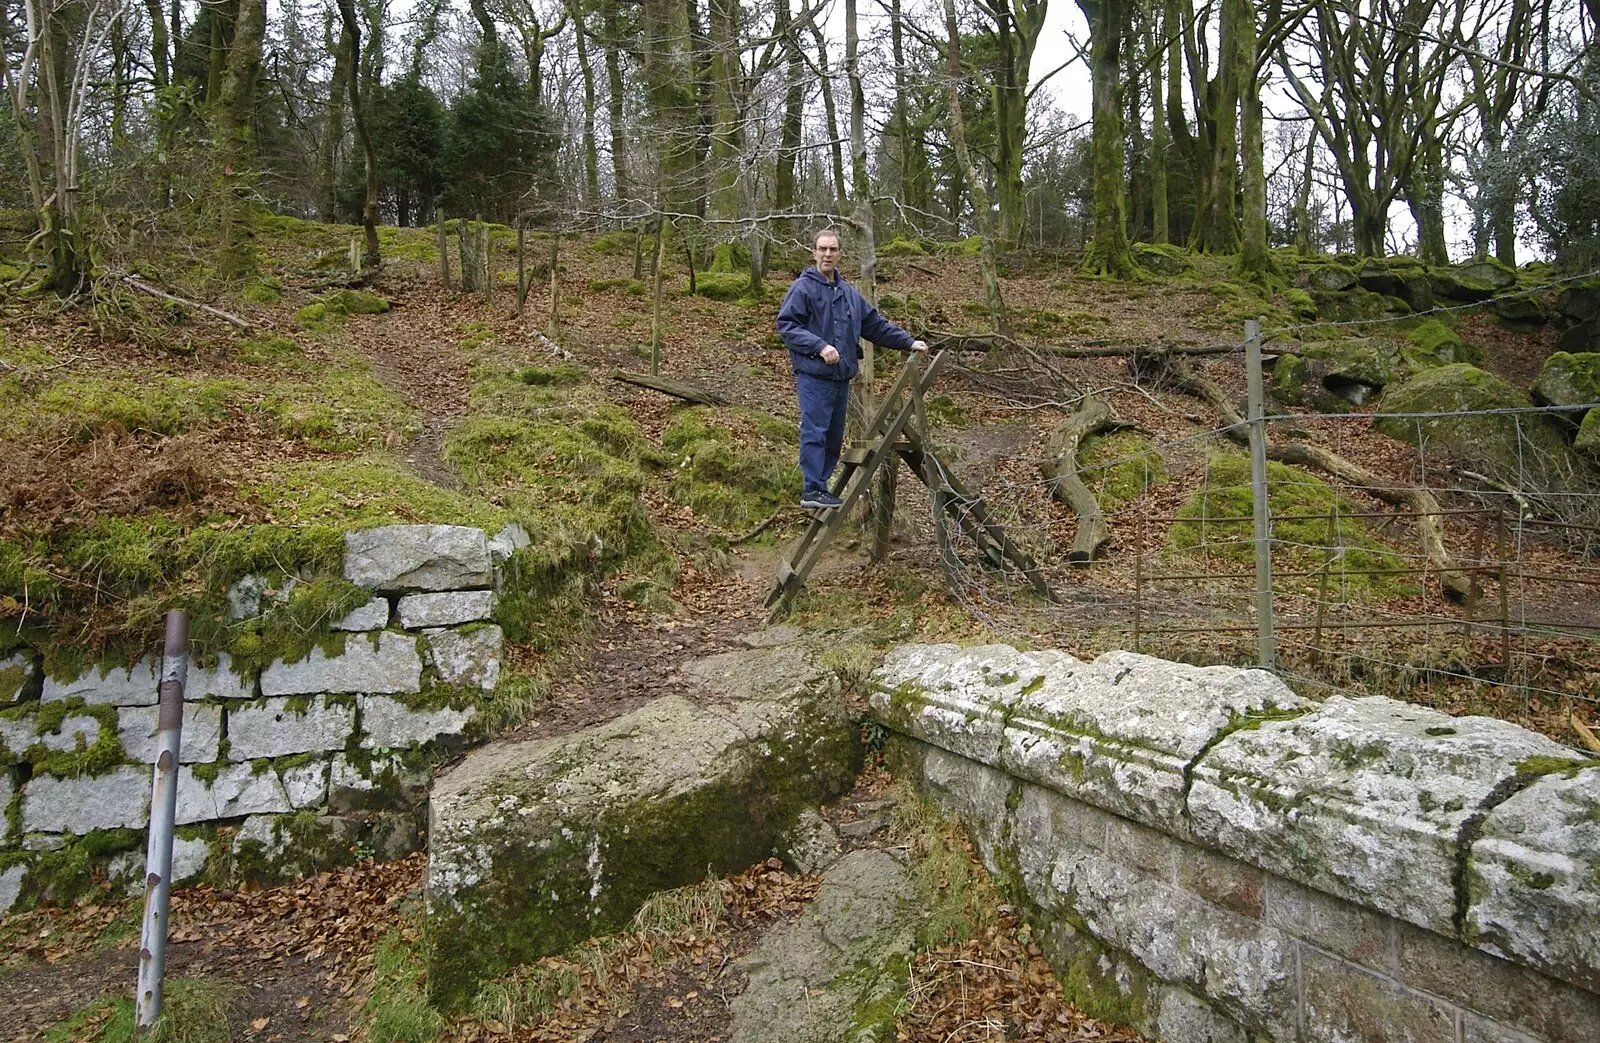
163	812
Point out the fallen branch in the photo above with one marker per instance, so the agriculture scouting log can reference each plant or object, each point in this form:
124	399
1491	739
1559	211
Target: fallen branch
551	346
143	287
1585	734
1060	467
734	541
1430	515
1094	349
667	386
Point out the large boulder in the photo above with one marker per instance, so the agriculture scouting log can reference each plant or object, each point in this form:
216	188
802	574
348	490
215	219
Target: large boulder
1583	337
1161	258
1579	303
1329	278
1447	409
1474	281
1432	343
537	845
1358	305
1569	379
1524	313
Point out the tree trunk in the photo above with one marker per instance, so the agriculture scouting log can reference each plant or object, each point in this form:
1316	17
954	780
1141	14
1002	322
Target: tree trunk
794	99
1158	43
591	151
836	145
1255	262
370	257
614	101
1107	27
333	133
726	137
672	98
236	136
1217	228
982	218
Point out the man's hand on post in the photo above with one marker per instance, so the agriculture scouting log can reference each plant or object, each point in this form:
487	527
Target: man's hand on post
919	345
830	355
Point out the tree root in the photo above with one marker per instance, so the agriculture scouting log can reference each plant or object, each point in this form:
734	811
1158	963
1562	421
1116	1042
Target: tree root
1060	467
1430	515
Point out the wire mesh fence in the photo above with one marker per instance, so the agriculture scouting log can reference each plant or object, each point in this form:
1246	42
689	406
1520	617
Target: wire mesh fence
1443	556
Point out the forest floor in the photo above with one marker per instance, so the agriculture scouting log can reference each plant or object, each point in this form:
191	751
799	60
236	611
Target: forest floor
366	406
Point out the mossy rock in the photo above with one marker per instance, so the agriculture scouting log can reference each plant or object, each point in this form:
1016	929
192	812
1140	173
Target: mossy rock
1357	305
632	287
356	302
1376	276
614	243
722	286
1435	344
263	292
1302	505
729	259
1579	302
1162	258
1588	440
1569	379
1329	278
971	246
1584	337
900	246
1474	281
1300	303
1356	360
1524	314
1524	449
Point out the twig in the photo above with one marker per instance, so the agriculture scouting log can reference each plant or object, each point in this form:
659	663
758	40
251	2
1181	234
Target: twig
208	309
1585	733
759	529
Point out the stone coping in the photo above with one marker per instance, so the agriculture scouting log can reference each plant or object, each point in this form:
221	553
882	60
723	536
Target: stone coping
1470	827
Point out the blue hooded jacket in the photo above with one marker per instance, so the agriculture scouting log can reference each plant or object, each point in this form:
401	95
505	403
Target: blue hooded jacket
817	313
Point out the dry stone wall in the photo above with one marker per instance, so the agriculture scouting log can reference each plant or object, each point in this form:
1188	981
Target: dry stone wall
1209	856
285	769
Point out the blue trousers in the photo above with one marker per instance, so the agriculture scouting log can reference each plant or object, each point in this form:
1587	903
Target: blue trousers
823	404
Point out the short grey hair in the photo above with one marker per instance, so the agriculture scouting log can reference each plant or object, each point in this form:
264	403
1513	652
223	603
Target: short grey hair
816	239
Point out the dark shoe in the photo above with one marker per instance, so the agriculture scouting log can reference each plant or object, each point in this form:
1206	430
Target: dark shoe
820	500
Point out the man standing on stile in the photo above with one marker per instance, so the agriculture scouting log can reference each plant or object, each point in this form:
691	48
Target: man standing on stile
821	311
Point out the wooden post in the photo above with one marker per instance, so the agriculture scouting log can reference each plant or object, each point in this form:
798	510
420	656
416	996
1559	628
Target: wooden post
1474	588
444	253
1266	644
554	332
655	321
938	497
522	269
1138	583
1322	586
1505	596
488	263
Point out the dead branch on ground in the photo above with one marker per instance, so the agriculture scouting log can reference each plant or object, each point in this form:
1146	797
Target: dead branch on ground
1060	467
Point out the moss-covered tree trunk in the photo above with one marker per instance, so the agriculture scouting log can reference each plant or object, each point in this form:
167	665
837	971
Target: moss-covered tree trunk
591	151
981	215
1109	253
726	136
370	257
332	133
1217	224
235	115
1255	262
793	127
670	89
1425	196
614	102
1159	40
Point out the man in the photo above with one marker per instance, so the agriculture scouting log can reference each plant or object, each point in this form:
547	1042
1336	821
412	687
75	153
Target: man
822	321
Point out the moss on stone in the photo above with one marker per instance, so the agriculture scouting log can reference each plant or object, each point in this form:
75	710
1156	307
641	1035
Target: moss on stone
267	350
1120	467
1301	505
1458	404
1436	344
722	286
303	844
84	758
632	287
900	246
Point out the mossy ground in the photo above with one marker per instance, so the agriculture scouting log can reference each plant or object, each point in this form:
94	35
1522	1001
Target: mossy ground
193	1010
1119	467
731	467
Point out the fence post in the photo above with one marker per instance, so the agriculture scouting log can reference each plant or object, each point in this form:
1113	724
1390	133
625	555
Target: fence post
1138	584
1265	642
163	813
